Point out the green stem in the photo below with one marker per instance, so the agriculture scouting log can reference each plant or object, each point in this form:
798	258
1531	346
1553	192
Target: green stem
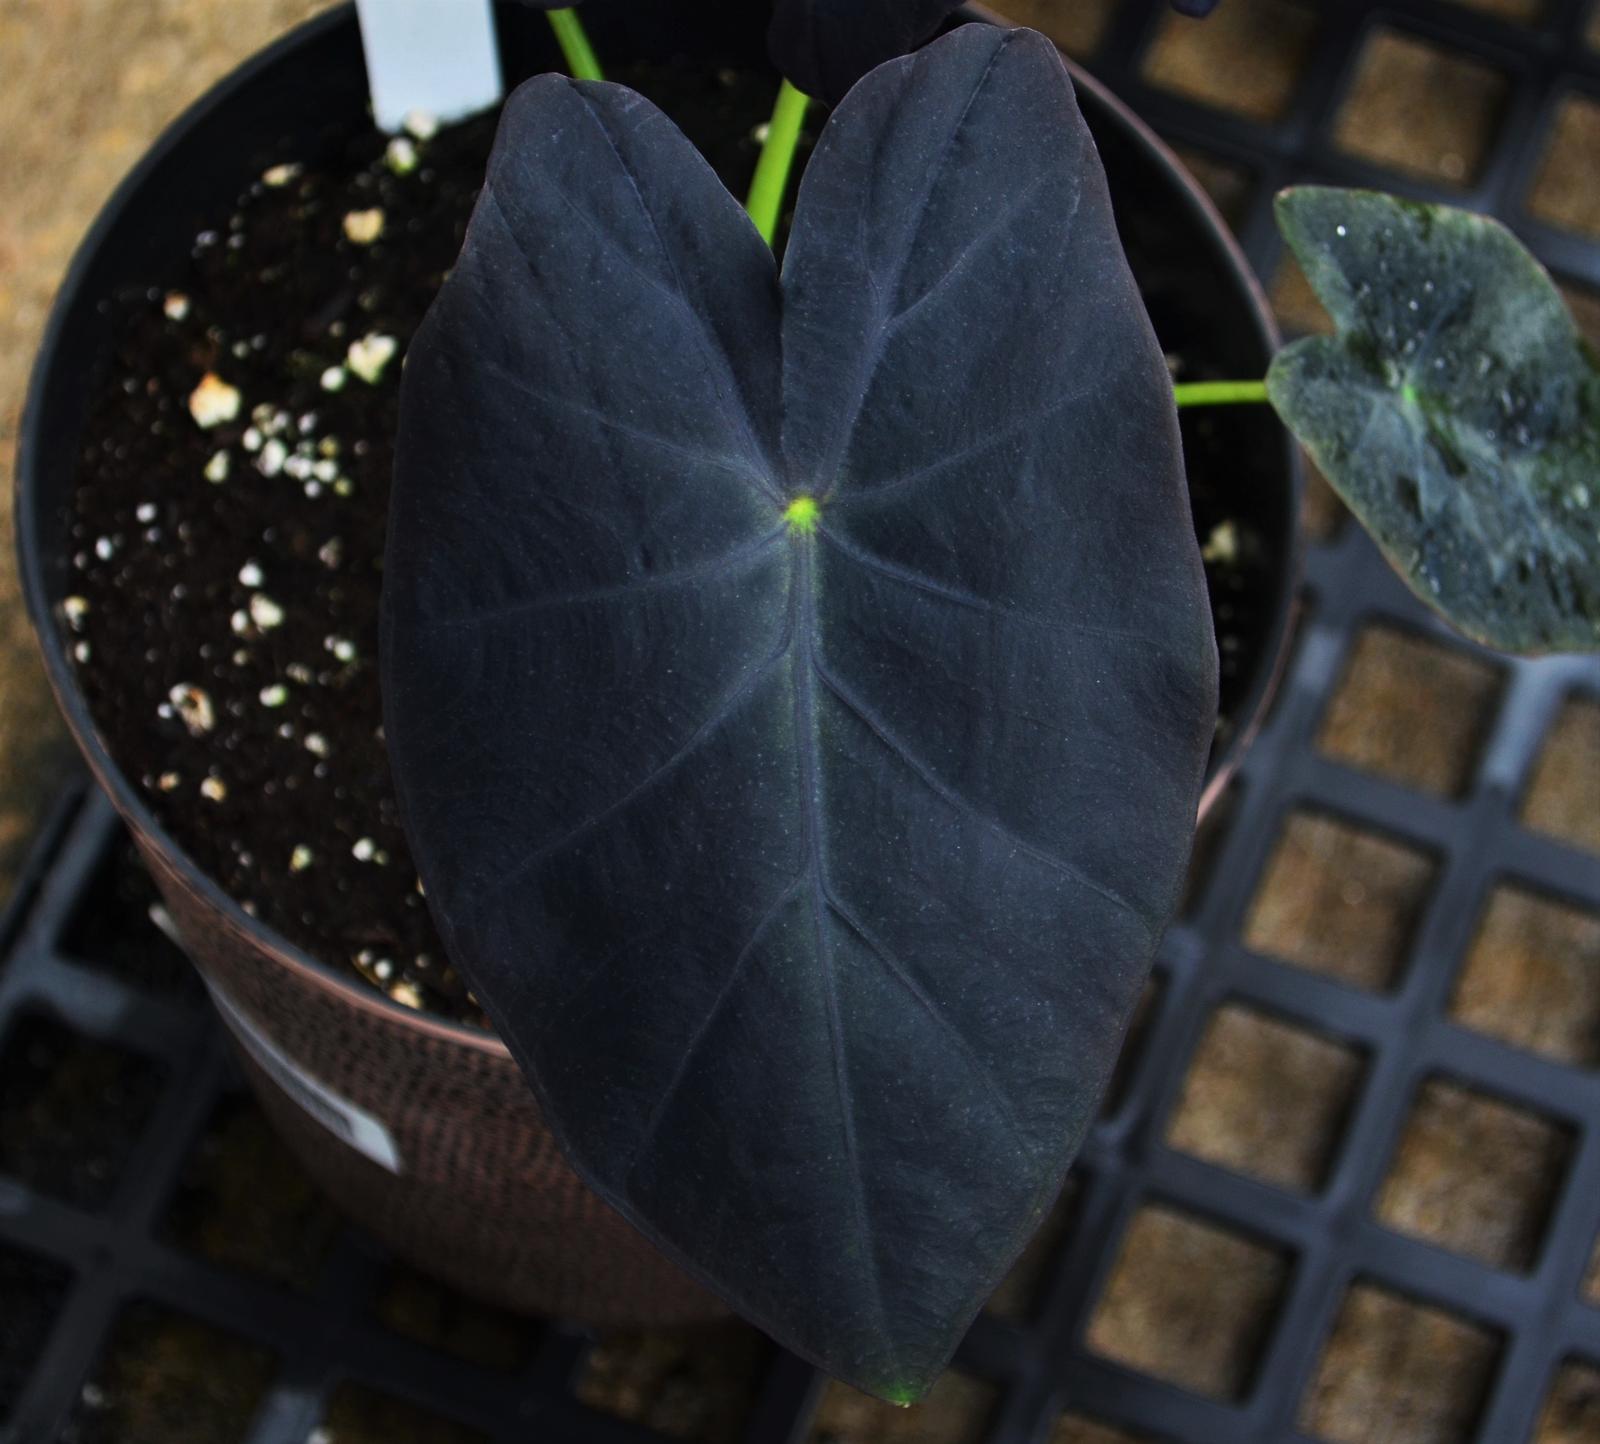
1219	393
771	181
582	62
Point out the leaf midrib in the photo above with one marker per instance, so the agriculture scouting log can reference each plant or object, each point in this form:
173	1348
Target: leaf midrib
803	672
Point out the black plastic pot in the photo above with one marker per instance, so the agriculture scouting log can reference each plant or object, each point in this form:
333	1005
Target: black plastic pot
420	1127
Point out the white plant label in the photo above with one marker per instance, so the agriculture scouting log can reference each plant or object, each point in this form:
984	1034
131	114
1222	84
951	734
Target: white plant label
333	1111
342	1118
432	59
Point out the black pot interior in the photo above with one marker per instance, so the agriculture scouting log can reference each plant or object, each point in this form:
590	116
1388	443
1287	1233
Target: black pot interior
310	86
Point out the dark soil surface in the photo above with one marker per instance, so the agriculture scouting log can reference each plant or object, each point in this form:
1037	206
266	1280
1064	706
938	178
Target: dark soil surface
225	615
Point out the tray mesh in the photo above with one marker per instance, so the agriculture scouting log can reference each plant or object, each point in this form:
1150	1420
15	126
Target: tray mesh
1395	924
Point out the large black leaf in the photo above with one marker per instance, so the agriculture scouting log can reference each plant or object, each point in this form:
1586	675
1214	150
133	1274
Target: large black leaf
799	695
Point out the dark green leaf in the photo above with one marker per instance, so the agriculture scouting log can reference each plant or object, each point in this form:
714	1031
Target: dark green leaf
1456	411
799	695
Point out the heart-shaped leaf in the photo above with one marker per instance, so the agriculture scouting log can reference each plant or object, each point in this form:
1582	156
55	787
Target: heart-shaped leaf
799	694
1456	411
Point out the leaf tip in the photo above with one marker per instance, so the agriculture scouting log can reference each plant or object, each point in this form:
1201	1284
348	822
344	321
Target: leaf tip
1291	200
903	1396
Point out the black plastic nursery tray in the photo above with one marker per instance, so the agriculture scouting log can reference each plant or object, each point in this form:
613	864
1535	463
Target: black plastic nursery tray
166	1273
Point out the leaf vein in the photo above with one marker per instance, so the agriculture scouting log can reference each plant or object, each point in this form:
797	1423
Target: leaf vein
726	565
988	442
975	1063
659	1112
972	248
710	346
960	597
869	368
725	709
898	749
804	669
698	457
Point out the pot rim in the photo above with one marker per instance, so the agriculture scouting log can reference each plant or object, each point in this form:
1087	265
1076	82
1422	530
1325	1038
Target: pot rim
74	706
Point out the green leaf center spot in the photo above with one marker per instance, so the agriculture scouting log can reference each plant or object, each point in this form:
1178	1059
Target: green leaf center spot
802	514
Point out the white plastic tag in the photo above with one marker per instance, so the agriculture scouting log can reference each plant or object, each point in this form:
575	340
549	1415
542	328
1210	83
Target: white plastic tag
337	1114
333	1111
429	60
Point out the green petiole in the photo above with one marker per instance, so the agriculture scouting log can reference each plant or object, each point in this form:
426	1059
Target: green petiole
771	181
582	63
1219	393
